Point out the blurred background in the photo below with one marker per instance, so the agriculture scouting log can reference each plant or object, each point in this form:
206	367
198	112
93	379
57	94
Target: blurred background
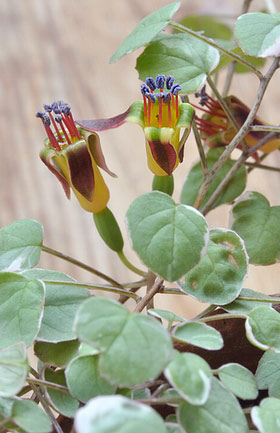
60	49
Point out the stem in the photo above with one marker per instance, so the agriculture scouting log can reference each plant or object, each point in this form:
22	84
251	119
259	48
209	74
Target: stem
203	313
135	284
90	286
202	156
265	128
222	317
269	299
171	291
151	293
262	166
271	6
49	384
80	264
208	41
229	77
160	401
233	170
240	134
129	265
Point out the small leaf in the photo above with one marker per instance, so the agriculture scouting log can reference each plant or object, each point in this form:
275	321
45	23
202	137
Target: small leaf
21	308
199	334
239	67
268	373
20	245
84	380
244	307
263	328
266	417
173	427
167	315
169	238
6	406
191	376
195	178
146	30
62	302
135	348
211	27
258	225
31	418
258	34
13	369
117	414
56	354
185	57
64	403
220	414
219	277
239	380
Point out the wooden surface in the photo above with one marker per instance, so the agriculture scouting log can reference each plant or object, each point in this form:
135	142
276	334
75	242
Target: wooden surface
59	49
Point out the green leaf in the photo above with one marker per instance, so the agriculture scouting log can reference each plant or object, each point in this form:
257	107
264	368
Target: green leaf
170	239
239	380
21	308
185	57
146	30
31	418
56	354
258	34
244	307
6	406
13	369
62	302
268	373
117	414
135	348
199	334
258	225
220	414
219	277
173	427
263	328
190	375
64	403
84	380
210	27
166	315
266	417
195	179
239	67
20	245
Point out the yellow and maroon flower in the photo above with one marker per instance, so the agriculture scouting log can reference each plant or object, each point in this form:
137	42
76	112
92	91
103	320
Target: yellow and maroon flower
161	115
217	130
73	156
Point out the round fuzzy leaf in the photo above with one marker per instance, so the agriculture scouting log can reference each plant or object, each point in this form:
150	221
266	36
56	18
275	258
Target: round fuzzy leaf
258	34
195	178
31	418
219	277
185	57
117	414
266	417
84	380
64	403
146	30
169	238
263	328
199	334
62	302
258	225
239	380
242	306
135	348
13	369
56	354
268	373
20	245
220	414
190	375
21	308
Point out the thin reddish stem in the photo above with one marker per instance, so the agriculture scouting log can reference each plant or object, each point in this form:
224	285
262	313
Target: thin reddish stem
51	137
212	124
177	106
56	128
160	112
145	108
169	114
213	113
78	135
65	133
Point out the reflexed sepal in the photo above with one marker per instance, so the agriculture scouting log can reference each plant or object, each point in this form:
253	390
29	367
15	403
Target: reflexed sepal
108	229
163	184
47	156
97	154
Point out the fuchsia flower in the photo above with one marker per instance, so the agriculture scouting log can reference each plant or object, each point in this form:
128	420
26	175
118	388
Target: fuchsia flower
161	116
73	156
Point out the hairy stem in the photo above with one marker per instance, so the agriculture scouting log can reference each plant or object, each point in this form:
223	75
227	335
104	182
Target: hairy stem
48	384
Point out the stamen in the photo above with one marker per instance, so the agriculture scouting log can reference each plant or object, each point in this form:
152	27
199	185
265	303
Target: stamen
212	124
151	83
160	80
169	81
212	112
177	106
47	122
59	119
145	108
55	107
160	102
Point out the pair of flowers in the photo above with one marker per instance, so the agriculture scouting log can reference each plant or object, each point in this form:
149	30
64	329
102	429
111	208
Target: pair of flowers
73	153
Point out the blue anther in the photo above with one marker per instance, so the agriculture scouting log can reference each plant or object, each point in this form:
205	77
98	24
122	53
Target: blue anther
65	108
166	97
40	114
46	120
175	89
152	97
160	80
55	107
58	118
144	89
151	83
159	95
169	81
47	107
